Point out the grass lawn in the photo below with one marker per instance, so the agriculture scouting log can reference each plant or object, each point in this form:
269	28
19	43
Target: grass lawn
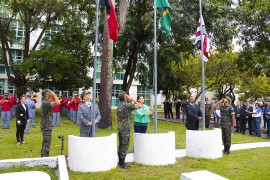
246	164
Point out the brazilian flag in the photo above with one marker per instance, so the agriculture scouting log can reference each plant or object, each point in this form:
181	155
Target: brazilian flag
166	19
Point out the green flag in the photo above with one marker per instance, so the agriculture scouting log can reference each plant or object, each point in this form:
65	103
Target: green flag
166	19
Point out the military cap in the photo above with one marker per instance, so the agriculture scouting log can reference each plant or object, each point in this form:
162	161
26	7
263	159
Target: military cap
43	93
121	96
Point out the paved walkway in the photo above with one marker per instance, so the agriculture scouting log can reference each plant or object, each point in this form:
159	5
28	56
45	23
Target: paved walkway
179	153
211	125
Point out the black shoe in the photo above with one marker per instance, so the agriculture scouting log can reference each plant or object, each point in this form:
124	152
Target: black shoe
124	166
224	151
228	152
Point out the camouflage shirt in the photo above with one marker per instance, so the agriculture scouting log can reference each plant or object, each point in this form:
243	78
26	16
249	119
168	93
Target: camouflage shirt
208	108
123	112
46	115
226	112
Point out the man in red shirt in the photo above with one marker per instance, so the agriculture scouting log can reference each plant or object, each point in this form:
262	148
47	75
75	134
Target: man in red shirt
75	103
6	111
13	102
56	115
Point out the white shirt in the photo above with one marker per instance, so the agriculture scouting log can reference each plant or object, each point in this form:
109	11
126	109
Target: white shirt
24	106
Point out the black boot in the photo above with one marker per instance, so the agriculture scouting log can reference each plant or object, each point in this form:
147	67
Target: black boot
228	151
224	151
122	164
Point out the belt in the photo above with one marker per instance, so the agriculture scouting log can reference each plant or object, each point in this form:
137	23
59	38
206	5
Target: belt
140	124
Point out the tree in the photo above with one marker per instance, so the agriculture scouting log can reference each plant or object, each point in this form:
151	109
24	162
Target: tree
220	71
254	37
64	64
106	79
254	87
137	49
33	15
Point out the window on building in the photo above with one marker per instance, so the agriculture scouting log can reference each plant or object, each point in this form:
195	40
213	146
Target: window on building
19	30
17	55
11	88
119	75
2	85
117	88
49	33
98	71
145	92
67	93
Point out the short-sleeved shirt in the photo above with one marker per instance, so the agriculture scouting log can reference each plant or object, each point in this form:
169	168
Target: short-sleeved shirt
46	115
226	112
123	112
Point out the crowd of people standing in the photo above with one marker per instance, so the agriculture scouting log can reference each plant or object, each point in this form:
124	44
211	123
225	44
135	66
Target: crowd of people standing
250	115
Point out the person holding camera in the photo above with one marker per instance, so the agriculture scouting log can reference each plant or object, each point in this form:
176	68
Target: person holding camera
46	123
6	111
22	118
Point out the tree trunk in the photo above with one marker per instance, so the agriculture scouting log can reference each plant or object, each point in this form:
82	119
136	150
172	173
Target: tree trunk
105	99
122	16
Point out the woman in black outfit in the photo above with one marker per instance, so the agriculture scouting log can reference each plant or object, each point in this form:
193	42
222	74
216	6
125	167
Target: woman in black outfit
22	116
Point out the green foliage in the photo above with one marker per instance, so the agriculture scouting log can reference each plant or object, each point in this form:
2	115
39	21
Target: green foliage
220	70
64	65
254	87
55	67
254	37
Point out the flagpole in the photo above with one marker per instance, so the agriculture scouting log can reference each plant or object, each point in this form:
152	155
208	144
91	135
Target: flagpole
203	86
155	63
94	73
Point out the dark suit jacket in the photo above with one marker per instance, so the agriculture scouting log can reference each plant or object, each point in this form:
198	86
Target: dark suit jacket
193	114
250	109
241	111
22	114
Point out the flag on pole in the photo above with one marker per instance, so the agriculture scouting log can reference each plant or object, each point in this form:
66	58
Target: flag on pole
111	18
166	19
206	45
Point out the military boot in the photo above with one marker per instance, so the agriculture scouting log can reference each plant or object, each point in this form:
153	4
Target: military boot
122	164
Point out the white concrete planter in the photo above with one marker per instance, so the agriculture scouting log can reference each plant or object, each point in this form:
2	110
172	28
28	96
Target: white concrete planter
204	144
92	154
154	149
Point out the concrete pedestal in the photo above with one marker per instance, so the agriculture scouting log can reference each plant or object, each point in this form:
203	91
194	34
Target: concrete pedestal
200	175
30	175
204	144
154	149
92	154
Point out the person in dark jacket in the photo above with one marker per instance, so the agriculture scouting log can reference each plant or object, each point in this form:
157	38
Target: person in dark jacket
194	114
22	117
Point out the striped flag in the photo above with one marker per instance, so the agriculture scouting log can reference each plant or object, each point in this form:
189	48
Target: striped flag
206	45
111	18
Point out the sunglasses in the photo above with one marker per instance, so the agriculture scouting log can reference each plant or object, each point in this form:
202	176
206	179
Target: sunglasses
86	92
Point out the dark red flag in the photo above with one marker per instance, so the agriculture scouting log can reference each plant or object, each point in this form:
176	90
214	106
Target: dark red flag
111	18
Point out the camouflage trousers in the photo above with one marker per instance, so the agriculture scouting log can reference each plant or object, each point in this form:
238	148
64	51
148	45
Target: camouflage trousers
207	120
124	137
226	135
46	144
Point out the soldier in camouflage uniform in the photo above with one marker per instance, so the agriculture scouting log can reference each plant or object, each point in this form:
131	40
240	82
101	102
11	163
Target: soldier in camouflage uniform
46	123
123	112
227	122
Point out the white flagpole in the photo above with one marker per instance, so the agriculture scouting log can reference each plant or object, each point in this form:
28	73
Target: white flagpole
155	63
94	73
203	86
